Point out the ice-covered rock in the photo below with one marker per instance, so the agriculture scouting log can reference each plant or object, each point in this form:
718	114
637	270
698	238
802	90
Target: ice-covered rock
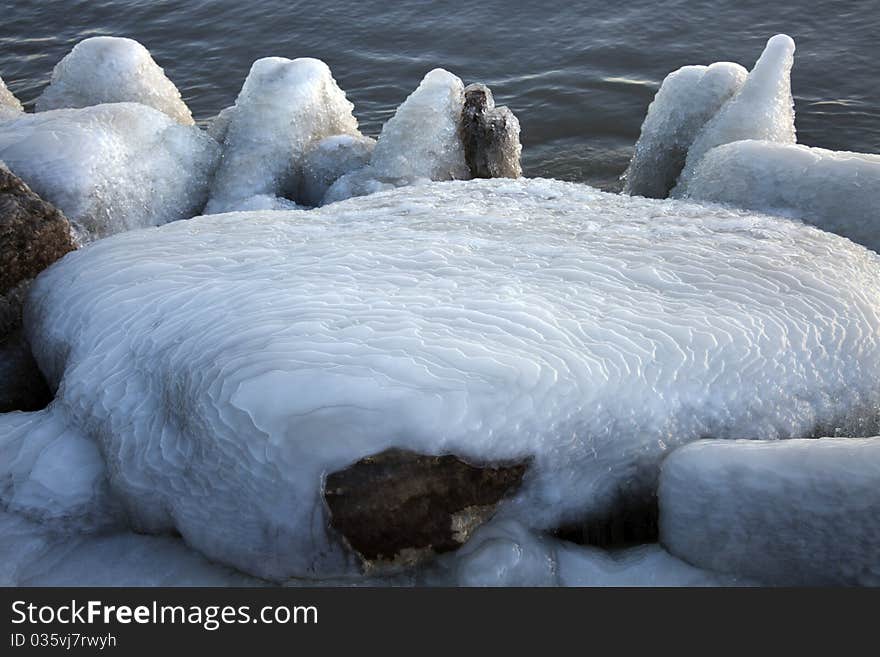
784	512
490	135
505	553
762	109
32	554
420	143
330	159
108	69
837	191
111	167
284	107
687	99
225	364
10	107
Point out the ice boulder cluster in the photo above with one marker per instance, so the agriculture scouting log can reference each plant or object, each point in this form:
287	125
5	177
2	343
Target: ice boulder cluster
713	134
111	167
213	371
112	70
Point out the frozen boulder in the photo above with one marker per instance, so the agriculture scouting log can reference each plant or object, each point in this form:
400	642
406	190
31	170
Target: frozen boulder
398	506
330	159
10	107
33	235
224	365
762	109
108	69
420	143
687	99
837	191
284	107
112	167
783	512
490	135
506	553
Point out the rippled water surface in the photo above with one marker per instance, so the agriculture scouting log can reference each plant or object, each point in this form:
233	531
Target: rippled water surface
578	74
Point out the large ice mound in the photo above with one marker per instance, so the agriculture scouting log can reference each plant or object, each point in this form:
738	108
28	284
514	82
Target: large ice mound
784	512
10	107
762	109
223	365
284	107
111	167
420	143
837	191
687	99
107	69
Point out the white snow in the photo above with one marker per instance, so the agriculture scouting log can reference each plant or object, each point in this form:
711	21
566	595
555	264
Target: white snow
784	512
108	69
419	143
10	107
837	191
762	109
505	553
223	365
111	167
330	159
687	99
284	107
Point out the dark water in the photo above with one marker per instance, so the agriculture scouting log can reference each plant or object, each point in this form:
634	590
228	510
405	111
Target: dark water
578	74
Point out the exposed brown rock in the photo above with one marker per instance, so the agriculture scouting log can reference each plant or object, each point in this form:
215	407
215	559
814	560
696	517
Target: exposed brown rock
399	506
33	234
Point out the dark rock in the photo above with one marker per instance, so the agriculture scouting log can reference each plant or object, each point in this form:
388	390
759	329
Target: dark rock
631	519
490	135
399	506
33	235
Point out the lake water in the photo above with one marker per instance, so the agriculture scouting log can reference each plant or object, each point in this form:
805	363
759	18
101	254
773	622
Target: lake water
579	75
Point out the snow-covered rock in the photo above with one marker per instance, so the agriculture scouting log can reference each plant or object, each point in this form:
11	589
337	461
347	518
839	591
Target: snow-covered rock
284	107
10	107
108	69
111	167
420	143
330	159
687	99
506	553
223	365
762	109
784	512
837	191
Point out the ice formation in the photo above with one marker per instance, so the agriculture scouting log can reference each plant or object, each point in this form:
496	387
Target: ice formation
837	191
108	69
762	109
330	159
222	365
419	143
284	107
111	167
506	553
687	99
10	107
784	512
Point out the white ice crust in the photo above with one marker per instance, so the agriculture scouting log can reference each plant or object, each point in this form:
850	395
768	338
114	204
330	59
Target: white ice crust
224	365
687	99
10	107
837	191
112	167
784	512
420	143
330	159
107	69
284	107
763	109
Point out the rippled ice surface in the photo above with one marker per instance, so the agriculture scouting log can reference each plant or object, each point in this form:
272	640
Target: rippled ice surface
578	75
